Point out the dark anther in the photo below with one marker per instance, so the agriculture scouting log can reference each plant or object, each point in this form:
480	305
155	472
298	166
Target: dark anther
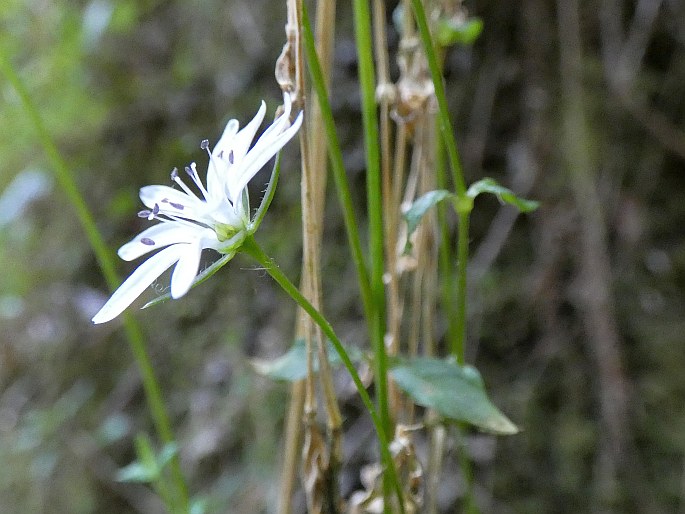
204	144
178	206
144	214
189	171
147	241
174	174
230	156
155	210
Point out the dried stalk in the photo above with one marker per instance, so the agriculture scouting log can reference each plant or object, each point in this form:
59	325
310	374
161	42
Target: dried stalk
320	460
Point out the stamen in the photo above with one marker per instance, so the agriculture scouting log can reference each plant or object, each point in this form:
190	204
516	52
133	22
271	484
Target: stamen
150	215
185	188
147	241
192	173
204	144
177	206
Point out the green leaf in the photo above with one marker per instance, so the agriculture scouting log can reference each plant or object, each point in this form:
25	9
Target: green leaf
169	451
292	366
456	392
149	466
137	472
419	208
463	32
489	185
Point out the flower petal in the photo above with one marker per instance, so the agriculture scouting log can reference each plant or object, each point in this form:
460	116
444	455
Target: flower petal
280	123
221	171
161	235
186	269
243	139
260	154
217	170
173	201
139	280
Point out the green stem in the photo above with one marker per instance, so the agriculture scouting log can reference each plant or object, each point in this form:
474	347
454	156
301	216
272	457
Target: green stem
106	262
463	208
251	248
337	166
458	343
463	205
443	112
367	84
445	249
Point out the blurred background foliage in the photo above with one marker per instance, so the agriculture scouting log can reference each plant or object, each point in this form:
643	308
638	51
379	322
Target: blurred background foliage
129	88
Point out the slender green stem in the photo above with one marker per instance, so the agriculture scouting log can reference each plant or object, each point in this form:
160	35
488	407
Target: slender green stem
463	204
457	324
367	83
337	166
251	248
445	249
443	112
105	260
458	344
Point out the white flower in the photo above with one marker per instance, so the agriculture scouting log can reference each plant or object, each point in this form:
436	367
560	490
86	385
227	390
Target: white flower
218	218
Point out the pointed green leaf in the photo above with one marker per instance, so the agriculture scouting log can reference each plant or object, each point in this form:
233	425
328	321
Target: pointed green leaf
169	451
420	206
451	31
148	467
488	185
292	366
456	392
137	472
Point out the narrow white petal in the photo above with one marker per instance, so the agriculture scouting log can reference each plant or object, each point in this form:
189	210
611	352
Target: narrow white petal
216	172
280	123
225	142
228	153
260	154
186	269
243	139
139	280
158	236
172	200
